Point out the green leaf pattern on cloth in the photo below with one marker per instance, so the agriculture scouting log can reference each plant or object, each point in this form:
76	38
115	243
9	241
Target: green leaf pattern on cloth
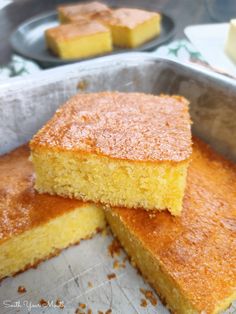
181	50
18	66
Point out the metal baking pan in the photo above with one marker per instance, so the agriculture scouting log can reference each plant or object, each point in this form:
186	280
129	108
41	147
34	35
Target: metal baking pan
26	104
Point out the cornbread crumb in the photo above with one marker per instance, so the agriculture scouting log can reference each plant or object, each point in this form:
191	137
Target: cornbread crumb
116	264
80	311
125	259
21	289
100	312
90	285
149	295
108	311
60	304
143	303
114	248
43	303
82	305
82	85
111	276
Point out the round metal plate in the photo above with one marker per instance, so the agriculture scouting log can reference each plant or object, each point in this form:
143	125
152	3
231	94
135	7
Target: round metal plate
28	39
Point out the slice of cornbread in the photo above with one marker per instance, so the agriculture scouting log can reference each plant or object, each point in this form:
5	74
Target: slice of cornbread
230	47
132	27
122	149
34	227
79	40
189	260
68	12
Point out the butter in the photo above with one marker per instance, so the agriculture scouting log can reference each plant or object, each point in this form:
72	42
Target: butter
230	47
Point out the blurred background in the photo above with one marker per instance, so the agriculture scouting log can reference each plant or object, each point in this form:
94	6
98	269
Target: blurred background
184	12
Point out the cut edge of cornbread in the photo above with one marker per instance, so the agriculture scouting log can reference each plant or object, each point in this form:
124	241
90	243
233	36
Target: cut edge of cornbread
123	36
168	290
80	46
111	181
47	240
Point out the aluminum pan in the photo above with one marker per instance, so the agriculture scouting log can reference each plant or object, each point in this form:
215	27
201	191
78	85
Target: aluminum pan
25	105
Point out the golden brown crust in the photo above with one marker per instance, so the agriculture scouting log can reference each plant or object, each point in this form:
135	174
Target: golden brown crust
103	17
86	9
130	17
126	17
130	126
82	27
21	207
197	249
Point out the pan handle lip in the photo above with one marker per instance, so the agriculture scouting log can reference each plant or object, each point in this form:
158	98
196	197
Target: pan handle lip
135	59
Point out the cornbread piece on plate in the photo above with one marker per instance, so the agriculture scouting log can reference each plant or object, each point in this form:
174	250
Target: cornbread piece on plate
121	149
129	27
230	47
34	227
103	17
133	27
189	260
68	12
79	40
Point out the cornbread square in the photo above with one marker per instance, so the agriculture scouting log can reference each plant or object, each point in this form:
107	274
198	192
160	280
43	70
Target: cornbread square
68	12
35	227
230	47
189	260
79	40
133	27
121	149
